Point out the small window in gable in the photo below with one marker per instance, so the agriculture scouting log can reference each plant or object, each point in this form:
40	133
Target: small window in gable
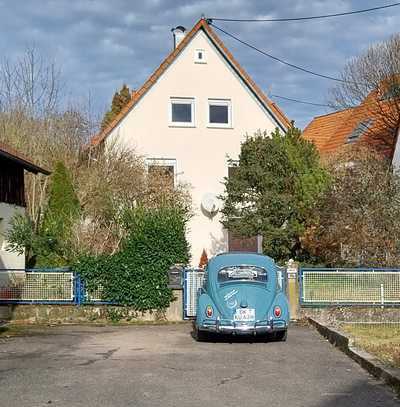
361	129
219	113
200	56
182	112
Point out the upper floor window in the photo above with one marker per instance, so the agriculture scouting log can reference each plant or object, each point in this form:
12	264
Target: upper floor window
200	56
219	113
182	112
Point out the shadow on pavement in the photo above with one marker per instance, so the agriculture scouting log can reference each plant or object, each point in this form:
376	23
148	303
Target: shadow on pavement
360	395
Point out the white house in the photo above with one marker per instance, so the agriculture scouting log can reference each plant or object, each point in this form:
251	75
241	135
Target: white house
12	198
191	116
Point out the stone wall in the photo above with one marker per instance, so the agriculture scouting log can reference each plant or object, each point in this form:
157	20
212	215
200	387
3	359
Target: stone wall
58	314
335	315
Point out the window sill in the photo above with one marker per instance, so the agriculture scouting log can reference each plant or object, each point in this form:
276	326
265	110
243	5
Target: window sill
185	126
213	126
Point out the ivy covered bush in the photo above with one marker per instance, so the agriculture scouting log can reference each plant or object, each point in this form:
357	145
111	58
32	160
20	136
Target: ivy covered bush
138	274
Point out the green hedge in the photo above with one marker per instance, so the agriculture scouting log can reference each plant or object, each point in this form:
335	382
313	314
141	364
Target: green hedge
138	274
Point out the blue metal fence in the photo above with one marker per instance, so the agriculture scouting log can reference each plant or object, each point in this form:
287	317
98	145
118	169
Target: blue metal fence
45	286
349	286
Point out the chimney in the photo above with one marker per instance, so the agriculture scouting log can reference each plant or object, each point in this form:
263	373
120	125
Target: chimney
179	34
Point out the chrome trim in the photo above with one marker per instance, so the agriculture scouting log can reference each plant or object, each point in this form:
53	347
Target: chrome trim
233	327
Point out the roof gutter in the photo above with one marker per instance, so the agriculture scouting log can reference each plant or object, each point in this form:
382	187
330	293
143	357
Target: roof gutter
26	164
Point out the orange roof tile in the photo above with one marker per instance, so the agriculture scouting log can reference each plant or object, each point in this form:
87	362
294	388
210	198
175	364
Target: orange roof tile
330	132
321	128
200	25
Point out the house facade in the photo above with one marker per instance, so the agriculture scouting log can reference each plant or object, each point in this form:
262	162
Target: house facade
190	117
12	198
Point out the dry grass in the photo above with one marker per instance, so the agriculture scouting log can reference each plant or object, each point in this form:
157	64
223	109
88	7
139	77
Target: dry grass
381	340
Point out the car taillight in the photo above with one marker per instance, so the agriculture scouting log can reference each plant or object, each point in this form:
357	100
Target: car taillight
209	311
277	311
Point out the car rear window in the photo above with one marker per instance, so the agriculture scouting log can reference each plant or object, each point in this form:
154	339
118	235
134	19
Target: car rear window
242	273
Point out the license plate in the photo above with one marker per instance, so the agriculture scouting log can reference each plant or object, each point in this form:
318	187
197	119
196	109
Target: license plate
245	314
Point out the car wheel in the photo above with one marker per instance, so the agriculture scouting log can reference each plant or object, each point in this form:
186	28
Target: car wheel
200	336
281	336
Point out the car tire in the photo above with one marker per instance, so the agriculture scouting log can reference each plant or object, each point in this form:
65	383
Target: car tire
200	336
281	336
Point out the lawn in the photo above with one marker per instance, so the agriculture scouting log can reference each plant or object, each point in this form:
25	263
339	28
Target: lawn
381	340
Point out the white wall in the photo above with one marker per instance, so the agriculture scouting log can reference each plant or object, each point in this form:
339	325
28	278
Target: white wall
396	154
9	260
201	152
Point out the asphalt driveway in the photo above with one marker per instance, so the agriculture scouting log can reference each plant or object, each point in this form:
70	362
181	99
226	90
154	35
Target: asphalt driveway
163	366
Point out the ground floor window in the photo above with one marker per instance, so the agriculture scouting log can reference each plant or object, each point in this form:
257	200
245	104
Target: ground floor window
162	169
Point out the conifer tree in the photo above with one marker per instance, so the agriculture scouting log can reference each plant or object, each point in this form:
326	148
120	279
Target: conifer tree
203	259
63	210
119	101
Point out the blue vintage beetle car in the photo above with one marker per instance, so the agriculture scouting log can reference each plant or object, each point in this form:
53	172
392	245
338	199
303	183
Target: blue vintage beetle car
242	294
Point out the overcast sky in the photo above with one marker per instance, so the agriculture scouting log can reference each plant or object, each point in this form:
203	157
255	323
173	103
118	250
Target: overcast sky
100	44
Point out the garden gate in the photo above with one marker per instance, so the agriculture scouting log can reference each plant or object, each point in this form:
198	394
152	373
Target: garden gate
193	280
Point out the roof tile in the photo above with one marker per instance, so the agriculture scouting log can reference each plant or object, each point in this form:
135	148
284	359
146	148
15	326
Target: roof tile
331	131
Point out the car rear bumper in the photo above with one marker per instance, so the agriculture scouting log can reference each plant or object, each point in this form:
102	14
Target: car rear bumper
243	328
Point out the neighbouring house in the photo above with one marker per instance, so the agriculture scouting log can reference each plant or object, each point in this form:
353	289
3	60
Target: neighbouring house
189	118
12	198
368	123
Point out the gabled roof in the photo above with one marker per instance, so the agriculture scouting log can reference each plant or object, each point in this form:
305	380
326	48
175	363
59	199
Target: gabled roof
362	124
200	25
18	158
322	128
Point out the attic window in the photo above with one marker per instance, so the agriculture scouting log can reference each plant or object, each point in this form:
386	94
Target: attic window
200	56
361	129
392	93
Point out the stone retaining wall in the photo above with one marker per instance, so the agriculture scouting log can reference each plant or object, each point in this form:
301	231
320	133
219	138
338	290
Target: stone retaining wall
334	315
58	314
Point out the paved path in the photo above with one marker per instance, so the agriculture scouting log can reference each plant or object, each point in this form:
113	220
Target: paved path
163	366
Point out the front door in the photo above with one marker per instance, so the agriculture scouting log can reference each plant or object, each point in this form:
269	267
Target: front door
238	243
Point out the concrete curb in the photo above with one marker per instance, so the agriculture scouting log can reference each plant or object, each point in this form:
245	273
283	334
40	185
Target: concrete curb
390	376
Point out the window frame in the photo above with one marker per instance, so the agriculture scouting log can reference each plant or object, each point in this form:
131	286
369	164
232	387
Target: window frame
244	280
182	100
162	162
220	102
360	130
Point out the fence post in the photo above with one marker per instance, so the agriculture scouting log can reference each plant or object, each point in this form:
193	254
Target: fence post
78	287
293	289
